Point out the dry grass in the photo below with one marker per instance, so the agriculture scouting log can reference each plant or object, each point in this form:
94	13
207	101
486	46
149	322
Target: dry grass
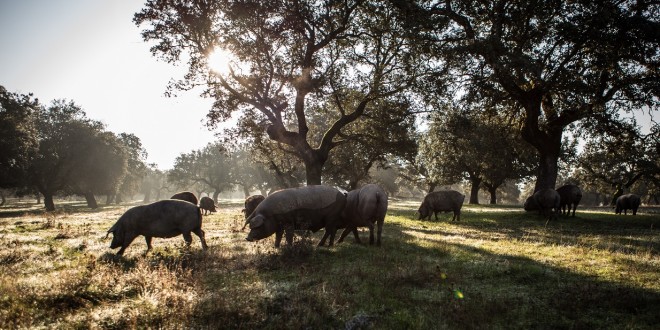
497	268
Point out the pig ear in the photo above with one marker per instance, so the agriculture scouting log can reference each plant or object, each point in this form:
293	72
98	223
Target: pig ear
258	221
111	230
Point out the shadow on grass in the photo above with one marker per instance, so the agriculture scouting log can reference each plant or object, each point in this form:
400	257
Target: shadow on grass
435	283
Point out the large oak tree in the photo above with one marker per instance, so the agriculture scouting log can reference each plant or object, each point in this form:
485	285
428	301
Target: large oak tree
559	61
291	58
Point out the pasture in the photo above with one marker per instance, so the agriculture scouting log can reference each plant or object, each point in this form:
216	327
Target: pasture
499	268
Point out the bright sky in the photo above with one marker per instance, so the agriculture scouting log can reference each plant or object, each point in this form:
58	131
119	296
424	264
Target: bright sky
89	51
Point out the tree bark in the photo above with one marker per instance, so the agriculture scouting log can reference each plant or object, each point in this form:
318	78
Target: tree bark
91	200
215	196
48	202
493	195
474	190
432	186
313	171
353	184
547	172
147	196
547	142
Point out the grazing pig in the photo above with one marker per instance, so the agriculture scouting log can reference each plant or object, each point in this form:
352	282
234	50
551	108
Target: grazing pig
625	202
569	196
251	204
304	208
441	201
166	218
207	204
364	208
185	196
546	201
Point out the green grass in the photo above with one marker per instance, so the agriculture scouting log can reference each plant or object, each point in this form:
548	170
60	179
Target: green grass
497	268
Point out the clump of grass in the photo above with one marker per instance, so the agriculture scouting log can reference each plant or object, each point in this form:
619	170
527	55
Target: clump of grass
11	256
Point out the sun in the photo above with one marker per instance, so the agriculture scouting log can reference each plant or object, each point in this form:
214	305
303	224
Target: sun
219	60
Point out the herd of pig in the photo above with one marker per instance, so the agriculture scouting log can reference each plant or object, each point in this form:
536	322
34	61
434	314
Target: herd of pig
313	208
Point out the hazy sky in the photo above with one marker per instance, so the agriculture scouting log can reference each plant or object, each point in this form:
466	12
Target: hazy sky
89	51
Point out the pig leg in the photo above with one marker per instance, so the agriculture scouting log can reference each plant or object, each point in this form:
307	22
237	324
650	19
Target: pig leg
328	233
380	231
200	233
346	232
148	240
332	229
288	233
343	234
371	233
278	237
325	236
356	235
188	238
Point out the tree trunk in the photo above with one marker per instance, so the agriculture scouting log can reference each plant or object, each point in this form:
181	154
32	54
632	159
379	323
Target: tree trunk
432	186
109	199
493	195
215	196
246	191
546	138
547	171
313	170
617	194
48	202
147	196
118	199
91	200
474	190
353	184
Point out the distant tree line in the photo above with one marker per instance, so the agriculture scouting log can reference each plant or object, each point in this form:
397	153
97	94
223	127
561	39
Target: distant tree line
56	149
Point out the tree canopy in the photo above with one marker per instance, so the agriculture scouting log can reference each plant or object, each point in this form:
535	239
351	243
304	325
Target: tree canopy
18	137
559	62
291	58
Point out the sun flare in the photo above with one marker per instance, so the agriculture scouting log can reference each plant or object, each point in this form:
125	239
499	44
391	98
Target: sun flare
219	60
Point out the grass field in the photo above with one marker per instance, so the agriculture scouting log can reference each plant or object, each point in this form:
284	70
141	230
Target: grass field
499	268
